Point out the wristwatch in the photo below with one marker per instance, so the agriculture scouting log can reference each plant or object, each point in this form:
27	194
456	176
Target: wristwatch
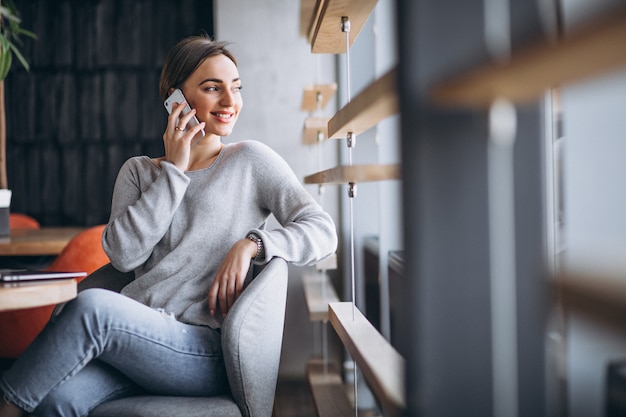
260	250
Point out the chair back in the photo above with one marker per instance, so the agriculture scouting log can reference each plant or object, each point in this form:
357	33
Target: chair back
252	336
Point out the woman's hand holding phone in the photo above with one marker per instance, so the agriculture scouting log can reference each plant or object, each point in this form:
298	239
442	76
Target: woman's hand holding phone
178	97
178	135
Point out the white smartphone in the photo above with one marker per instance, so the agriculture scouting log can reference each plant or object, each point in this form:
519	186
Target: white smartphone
178	97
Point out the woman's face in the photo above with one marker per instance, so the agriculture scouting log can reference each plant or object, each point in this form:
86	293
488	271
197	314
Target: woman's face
213	89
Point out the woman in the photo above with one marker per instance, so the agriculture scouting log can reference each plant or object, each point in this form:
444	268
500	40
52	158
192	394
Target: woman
188	224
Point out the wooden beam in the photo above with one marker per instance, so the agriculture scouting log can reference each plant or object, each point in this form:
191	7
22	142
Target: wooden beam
589	51
313	18
599	294
318	293
345	174
307	13
329	394
375	103
328	37
381	365
314	127
316	96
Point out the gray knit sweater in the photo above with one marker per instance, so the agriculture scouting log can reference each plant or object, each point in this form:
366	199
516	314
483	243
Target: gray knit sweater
173	229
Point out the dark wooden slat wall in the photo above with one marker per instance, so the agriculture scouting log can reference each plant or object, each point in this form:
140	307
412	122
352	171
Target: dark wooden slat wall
90	101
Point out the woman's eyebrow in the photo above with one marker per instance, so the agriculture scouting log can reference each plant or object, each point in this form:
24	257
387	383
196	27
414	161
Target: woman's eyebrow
217	80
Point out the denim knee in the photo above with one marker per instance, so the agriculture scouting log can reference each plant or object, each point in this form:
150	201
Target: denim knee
91	311
59	403
92	300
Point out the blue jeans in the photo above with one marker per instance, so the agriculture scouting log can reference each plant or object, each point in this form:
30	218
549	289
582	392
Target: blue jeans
103	346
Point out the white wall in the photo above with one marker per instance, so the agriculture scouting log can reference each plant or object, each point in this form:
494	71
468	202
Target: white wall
595	226
594	152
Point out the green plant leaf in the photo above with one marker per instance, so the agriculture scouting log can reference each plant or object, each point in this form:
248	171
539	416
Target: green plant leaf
19	56
8	14
6	67
5	57
10	32
26	32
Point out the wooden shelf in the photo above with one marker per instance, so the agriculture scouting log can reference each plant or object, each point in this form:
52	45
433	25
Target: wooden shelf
329	394
600	294
590	51
381	365
375	103
318	293
313	126
313	17
354	174
310	94
308	16
327	36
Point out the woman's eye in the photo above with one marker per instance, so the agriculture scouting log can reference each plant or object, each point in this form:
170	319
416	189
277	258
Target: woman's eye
211	88
238	88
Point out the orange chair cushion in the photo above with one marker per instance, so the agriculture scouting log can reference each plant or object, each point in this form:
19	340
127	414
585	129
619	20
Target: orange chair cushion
22	221
83	253
19	328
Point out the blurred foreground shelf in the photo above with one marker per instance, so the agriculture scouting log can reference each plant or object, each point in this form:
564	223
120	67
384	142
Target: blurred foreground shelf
592	50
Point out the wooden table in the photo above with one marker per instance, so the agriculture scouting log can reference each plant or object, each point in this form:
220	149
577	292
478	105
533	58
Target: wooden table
15	296
36	242
32	242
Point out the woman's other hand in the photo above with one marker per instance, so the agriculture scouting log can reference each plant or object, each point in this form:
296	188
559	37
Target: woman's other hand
230	276
176	140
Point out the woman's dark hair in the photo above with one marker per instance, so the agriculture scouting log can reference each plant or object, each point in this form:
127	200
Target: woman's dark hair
187	55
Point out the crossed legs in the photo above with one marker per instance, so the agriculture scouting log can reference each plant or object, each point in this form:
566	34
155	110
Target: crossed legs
104	345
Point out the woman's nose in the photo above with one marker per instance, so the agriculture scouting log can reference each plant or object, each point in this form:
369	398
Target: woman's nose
228	98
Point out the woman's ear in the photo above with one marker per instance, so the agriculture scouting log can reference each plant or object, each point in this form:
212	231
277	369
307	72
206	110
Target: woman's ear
170	91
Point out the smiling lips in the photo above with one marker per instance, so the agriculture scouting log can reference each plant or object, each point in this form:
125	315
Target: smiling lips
225	117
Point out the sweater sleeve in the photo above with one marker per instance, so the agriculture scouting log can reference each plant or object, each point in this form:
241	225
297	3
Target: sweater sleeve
141	211
308	233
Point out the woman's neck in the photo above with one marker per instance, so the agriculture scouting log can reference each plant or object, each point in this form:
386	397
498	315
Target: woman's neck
205	153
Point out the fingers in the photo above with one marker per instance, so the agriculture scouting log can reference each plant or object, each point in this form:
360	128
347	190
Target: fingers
181	124
177	141
196	129
177	121
224	291
184	119
174	116
213	297
229	279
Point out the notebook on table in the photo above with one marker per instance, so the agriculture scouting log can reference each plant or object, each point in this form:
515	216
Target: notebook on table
18	275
